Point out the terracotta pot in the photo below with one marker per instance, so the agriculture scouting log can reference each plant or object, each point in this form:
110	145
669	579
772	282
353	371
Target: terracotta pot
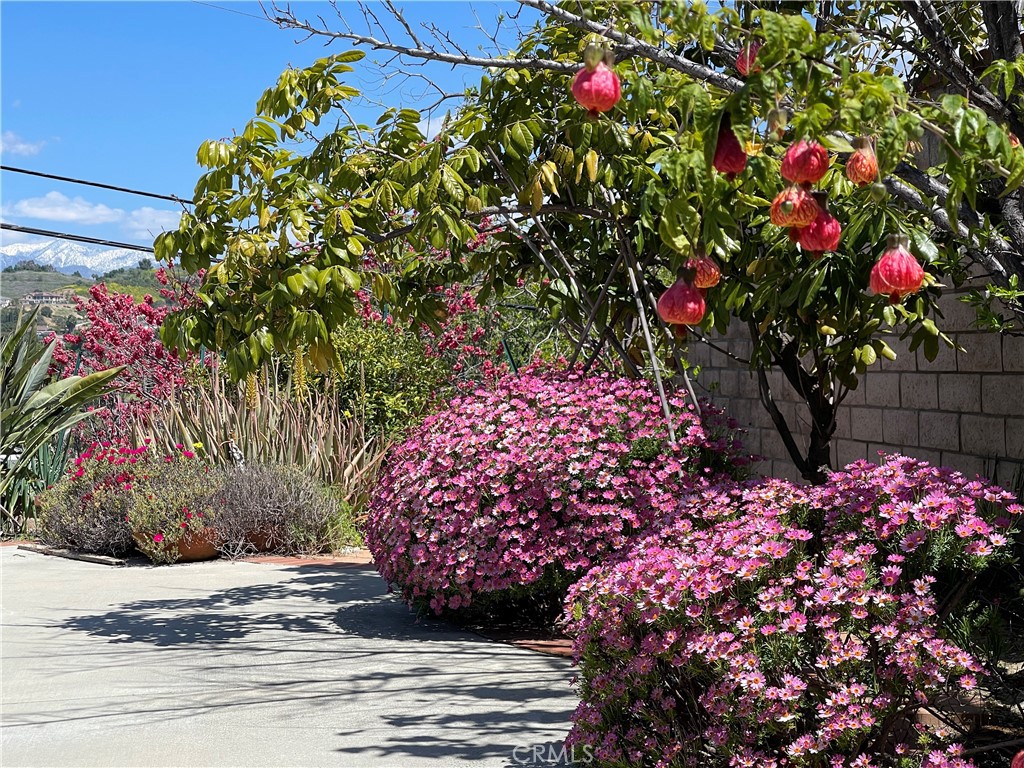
264	539
200	545
192	547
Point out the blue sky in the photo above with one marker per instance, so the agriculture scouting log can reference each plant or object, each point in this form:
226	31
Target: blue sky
124	92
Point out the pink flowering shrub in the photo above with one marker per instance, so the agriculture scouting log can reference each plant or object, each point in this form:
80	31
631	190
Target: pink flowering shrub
120	331
771	625
533	479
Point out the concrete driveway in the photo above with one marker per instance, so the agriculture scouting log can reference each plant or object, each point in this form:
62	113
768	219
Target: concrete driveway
251	664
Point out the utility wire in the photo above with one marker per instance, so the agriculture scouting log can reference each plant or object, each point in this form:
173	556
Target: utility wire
172	198
77	238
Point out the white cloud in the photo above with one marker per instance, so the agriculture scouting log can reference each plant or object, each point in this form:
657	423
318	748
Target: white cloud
147	222
53	206
12	144
432	126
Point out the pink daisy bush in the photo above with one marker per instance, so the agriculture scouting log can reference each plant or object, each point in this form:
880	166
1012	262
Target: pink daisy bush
532	480
771	625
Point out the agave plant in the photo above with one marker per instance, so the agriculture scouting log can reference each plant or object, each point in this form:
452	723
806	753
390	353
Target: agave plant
273	428
33	410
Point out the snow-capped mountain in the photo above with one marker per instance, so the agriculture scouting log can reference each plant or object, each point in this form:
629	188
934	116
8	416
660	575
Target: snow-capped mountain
68	257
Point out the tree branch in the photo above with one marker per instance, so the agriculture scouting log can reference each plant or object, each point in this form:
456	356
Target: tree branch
768	401
928	21
285	19
632	46
999	257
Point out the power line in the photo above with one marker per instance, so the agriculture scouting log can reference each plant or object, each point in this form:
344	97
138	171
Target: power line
77	238
27	172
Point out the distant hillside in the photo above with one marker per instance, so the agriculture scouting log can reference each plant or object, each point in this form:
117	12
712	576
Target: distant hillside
15	285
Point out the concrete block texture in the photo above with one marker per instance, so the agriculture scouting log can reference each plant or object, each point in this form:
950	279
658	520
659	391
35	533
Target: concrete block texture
882	389
939	430
866	424
1002	394
960	392
956	315
919	391
983	435
983	352
969	465
1015	439
899	427
905	359
1013	353
849	451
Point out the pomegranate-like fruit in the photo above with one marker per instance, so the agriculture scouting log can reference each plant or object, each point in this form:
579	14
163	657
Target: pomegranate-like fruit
746	62
730	158
862	167
805	162
1018	760
706	271
896	273
823	233
681	304
794	207
596	90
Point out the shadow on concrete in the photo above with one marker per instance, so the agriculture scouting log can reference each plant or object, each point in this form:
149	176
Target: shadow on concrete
329	645
235	613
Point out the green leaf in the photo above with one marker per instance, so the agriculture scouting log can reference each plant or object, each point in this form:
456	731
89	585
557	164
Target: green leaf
814	288
522	138
349	56
837	143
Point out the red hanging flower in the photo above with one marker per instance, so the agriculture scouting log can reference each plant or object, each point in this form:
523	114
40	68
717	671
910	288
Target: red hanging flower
706	271
805	162
793	207
730	158
896	273
682	304
597	89
822	234
862	167
746	62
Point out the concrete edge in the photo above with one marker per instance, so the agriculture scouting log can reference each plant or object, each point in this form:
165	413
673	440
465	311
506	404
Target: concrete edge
42	549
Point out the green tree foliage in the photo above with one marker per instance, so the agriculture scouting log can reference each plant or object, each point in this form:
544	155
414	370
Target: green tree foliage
385	376
603	212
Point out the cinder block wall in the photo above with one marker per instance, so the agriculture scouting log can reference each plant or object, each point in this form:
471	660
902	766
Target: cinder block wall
964	410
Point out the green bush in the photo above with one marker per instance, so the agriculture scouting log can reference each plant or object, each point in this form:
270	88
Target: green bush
171	497
386	377
33	410
87	510
275	508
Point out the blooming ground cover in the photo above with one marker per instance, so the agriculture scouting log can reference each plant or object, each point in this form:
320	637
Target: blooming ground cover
772	625
544	474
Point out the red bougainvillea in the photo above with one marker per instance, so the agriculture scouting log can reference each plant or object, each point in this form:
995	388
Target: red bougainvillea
120	331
